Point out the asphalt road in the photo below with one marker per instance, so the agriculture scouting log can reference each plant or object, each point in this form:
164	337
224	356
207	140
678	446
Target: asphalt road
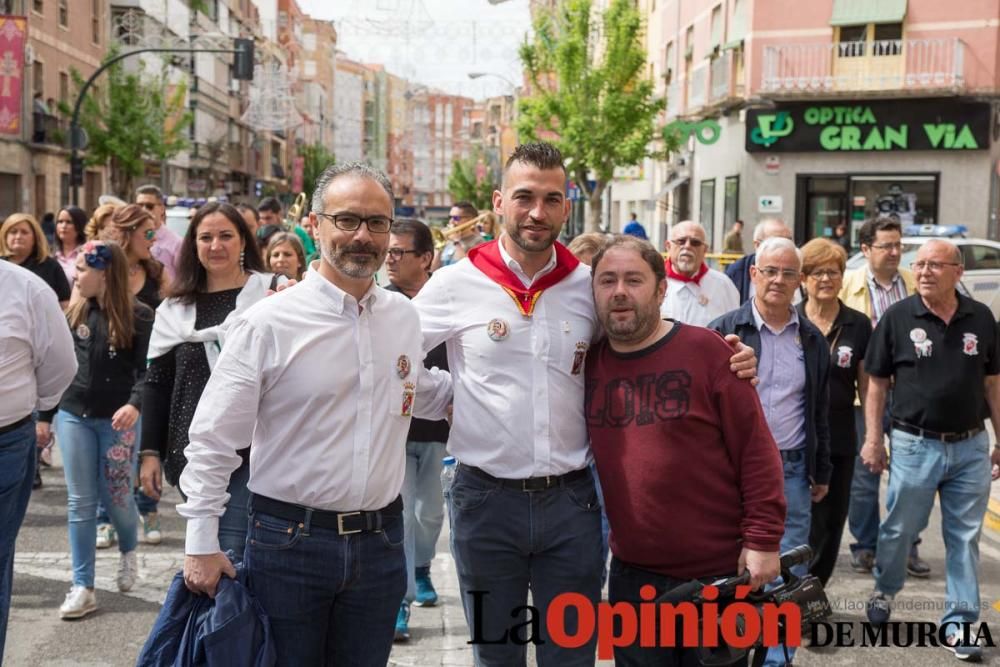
114	634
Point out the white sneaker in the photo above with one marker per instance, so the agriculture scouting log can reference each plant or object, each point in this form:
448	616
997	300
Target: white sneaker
151	528
79	602
128	570
105	535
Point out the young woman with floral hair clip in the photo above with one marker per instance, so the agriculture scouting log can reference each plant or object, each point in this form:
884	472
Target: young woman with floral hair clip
98	415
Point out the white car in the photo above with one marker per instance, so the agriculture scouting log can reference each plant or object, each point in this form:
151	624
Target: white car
981	280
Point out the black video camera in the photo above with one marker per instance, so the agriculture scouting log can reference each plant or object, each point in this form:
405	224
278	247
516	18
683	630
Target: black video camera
804	592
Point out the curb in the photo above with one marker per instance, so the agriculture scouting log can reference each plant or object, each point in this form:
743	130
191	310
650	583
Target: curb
992	520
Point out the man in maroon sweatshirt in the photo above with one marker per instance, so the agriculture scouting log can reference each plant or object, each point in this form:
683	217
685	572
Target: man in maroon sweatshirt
692	478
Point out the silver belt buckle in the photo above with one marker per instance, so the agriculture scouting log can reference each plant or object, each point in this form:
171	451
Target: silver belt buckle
340	523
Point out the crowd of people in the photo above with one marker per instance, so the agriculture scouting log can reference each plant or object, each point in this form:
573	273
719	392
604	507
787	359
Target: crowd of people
303	411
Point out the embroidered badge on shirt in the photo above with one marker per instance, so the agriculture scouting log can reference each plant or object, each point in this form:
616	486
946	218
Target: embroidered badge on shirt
578	357
497	330
844	355
921	344
970	344
406	410
403	367
83	332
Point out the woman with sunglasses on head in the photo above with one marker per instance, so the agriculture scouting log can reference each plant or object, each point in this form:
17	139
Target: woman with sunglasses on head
98	415
69	238
219	275
847	331
133	228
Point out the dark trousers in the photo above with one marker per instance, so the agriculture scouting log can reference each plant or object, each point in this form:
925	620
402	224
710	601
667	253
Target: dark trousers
828	518
505	541
624	582
332	599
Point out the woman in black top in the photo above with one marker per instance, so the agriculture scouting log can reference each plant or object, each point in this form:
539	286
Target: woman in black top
98	415
23	243
847	331
219	274
69	239
134	229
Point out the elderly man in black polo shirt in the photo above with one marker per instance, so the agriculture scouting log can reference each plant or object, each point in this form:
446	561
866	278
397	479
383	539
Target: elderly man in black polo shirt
942	349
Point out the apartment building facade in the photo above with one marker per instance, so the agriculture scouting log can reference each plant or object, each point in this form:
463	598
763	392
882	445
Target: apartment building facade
823	112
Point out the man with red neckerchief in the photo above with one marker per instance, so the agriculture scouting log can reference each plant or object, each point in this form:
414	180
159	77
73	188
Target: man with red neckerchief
696	294
517	317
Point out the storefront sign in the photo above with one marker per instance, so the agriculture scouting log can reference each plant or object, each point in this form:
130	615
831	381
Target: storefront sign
896	125
706	131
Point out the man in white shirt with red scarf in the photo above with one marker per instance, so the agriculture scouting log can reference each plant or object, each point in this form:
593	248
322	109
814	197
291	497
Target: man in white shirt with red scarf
696	294
523	506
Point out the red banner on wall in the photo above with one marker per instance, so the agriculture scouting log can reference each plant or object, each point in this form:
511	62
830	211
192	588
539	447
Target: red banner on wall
298	172
13	33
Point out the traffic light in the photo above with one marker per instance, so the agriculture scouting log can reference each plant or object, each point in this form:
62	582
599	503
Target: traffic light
243	61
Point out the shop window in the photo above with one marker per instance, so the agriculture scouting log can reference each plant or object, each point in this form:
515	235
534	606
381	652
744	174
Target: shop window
911	198
706	209
731	201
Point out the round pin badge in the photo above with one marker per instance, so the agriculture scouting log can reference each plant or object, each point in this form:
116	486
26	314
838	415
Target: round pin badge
918	335
497	330
83	332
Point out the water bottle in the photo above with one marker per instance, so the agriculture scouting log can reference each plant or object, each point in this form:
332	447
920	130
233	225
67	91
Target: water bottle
448	468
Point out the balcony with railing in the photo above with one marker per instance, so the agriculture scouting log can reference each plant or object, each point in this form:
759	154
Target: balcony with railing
915	65
675	103
697	87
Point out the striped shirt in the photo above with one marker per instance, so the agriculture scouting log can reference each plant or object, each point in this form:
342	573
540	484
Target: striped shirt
883	297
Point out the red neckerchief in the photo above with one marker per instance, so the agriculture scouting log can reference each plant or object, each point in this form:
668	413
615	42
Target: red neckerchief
696	278
486	257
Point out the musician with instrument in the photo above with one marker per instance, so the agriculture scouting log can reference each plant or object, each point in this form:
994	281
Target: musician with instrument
462	234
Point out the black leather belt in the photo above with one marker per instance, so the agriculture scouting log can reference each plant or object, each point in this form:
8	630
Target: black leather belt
530	483
934	435
792	455
345	523
16	425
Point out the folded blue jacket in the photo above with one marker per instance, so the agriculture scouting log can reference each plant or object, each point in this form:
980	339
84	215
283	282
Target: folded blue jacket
194	630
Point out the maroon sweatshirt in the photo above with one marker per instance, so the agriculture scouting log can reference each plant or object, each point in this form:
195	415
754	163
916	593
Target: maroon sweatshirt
688	467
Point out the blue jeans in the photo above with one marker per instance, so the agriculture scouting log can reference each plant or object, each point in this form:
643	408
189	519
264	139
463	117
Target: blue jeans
960	473
863	510
332	599
144	503
506	540
423	507
17	472
797	520
605	528
98	462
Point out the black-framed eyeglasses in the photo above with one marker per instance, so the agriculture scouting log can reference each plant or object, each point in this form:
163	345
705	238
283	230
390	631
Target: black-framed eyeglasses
397	253
348	222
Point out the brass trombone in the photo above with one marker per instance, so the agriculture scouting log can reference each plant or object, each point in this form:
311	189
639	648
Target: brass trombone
444	236
294	213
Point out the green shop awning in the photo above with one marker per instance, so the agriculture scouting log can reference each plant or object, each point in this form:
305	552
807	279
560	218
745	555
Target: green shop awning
860	12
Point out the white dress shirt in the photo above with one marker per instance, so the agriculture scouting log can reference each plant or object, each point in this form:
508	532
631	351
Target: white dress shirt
37	359
700	303
316	386
518	401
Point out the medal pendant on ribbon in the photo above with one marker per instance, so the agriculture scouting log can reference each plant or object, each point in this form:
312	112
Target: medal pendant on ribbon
406	410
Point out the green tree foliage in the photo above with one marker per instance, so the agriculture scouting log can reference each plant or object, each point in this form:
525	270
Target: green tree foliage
464	185
131	118
590	93
317	158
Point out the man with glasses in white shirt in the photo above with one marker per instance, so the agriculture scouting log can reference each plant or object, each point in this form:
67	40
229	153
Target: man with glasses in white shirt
517	319
322	378
696	294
